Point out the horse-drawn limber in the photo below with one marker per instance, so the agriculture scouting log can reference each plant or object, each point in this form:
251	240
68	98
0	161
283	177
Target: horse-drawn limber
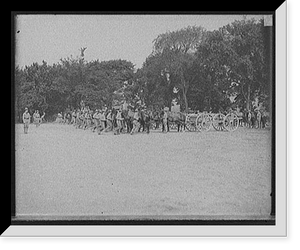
194	122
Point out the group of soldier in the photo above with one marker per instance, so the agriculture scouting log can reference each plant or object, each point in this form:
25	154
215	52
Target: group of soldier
117	120
37	119
131	120
255	119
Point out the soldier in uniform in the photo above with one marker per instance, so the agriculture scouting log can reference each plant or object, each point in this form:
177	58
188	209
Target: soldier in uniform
26	120
165	121
109	124
35	117
119	119
97	123
147	121
136	123
102	120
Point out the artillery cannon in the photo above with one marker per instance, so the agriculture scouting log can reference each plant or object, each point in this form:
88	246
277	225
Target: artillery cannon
219	121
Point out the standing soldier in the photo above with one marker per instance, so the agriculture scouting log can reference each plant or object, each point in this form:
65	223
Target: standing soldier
42	117
147	121
73	117
165	121
129	120
26	120
109	124
136	123
96	120
258	117
35	117
249	119
119	119
38	119
102	120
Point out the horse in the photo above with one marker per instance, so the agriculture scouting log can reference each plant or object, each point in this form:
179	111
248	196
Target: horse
128	119
178	118
155	118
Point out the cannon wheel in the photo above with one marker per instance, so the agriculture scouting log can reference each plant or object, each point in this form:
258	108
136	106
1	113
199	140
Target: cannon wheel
190	124
218	122
153	125
199	120
231	122
206	122
173	126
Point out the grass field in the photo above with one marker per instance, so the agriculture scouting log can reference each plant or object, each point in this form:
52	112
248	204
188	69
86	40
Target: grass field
63	171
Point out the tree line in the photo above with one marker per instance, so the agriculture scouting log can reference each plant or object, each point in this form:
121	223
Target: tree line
198	69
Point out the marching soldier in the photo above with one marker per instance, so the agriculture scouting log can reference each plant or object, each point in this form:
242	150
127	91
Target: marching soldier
102	120
97	122
109	121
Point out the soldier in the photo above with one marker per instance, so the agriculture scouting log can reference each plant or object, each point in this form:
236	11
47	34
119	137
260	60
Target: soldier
77	118
165	121
119	119
38	119
258	117
26	120
136	123
109	124
102	120
129	120
35	117
97	123
147	121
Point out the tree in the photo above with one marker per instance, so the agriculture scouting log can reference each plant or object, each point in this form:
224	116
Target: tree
64	85
177	51
214	59
248	65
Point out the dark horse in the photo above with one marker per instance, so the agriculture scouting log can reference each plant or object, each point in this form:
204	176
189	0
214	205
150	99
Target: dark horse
128	119
178	118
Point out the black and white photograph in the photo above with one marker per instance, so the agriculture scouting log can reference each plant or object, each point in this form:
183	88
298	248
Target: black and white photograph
145	118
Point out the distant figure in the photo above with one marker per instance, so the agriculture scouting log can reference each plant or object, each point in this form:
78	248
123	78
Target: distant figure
97	123
119	119
82	51
26	120
102	120
258	117
136	123
36	117
147	121
109	121
165	121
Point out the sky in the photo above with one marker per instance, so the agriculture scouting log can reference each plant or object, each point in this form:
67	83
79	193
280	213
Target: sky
107	37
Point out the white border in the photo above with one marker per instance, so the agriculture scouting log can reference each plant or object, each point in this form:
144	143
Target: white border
280	229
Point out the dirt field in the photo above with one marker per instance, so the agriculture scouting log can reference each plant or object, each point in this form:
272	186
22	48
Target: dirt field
61	171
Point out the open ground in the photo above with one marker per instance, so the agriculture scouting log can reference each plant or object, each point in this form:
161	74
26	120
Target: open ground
63	171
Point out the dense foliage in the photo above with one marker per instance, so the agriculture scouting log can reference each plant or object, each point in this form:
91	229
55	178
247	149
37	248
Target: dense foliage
199	69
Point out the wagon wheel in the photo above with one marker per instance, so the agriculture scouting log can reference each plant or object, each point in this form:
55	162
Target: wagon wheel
199	120
190	123
206	122
231	122
172	125
218	121
153	125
